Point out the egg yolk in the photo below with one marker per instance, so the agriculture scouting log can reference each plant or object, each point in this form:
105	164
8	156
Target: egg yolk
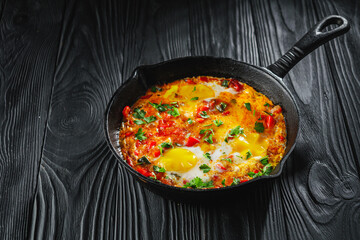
178	160
252	142
198	90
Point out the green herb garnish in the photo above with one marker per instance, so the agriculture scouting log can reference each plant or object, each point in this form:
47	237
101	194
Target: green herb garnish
160	107
139	122
267	105
207	155
139	114
194	89
236	181
140	135
190	121
248	106
198	183
158	169
174	112
194	98
259	127
264	160
223	182
234	132
268	113
221	107
164	145
227	159
218	123
225	83
264	172
205	168
204	114
209	139
208	125
248	154
155	89
150	119
143	160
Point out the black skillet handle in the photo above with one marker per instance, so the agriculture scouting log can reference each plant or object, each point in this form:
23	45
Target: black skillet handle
312	40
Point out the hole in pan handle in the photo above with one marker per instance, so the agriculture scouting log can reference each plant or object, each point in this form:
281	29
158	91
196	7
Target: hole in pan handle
315	37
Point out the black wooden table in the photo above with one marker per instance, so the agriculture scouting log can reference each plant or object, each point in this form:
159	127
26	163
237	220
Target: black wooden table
60	62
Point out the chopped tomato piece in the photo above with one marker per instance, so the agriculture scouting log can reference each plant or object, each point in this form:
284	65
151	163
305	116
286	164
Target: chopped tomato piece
138	143
146	96
157	153
236	85
269	122
191	141
126	111
144	171
281	138
128	160
245	180
226	113
200	120
127	134
220	166
256	171
203	108
136	153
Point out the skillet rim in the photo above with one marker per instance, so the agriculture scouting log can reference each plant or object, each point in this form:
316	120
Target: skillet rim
150	181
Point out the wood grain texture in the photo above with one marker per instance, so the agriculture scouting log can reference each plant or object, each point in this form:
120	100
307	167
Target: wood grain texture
29	43
84	50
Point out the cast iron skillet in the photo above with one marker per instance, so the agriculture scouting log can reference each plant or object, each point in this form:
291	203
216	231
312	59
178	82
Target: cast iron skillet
265	80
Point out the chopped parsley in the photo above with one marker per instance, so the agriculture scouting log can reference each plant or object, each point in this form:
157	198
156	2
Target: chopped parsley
248	106
208	125
143	160
203	131
267	105
259	127
225	83
248	154
268	113
223	182
205	168
209	139
234	132
164	145
139	114
208	135
236	181
190	121
198	183
227	159
264	160
207	155
221	107
204	114
139	122
194	89
140	135
218	123
158	169
264	172
174	112
194	98
160	107
155	89
254	113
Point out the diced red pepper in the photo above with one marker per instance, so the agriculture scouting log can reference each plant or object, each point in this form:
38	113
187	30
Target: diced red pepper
146	96
203	108
256	171
205	79
136	153
281	138
157	153
128	160
269	122
191	141
226	113
200	120
189	81
127	134
144	172
235	84
131	122
138	143
245	180
126	111
220	166
151	144
276	109
212	104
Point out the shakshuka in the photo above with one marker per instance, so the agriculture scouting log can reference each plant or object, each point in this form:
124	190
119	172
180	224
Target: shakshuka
203	132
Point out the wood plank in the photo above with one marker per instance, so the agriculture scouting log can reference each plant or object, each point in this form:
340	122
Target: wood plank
29	43
322	169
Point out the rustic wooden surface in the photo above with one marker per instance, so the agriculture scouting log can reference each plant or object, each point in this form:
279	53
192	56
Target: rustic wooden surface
60	62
